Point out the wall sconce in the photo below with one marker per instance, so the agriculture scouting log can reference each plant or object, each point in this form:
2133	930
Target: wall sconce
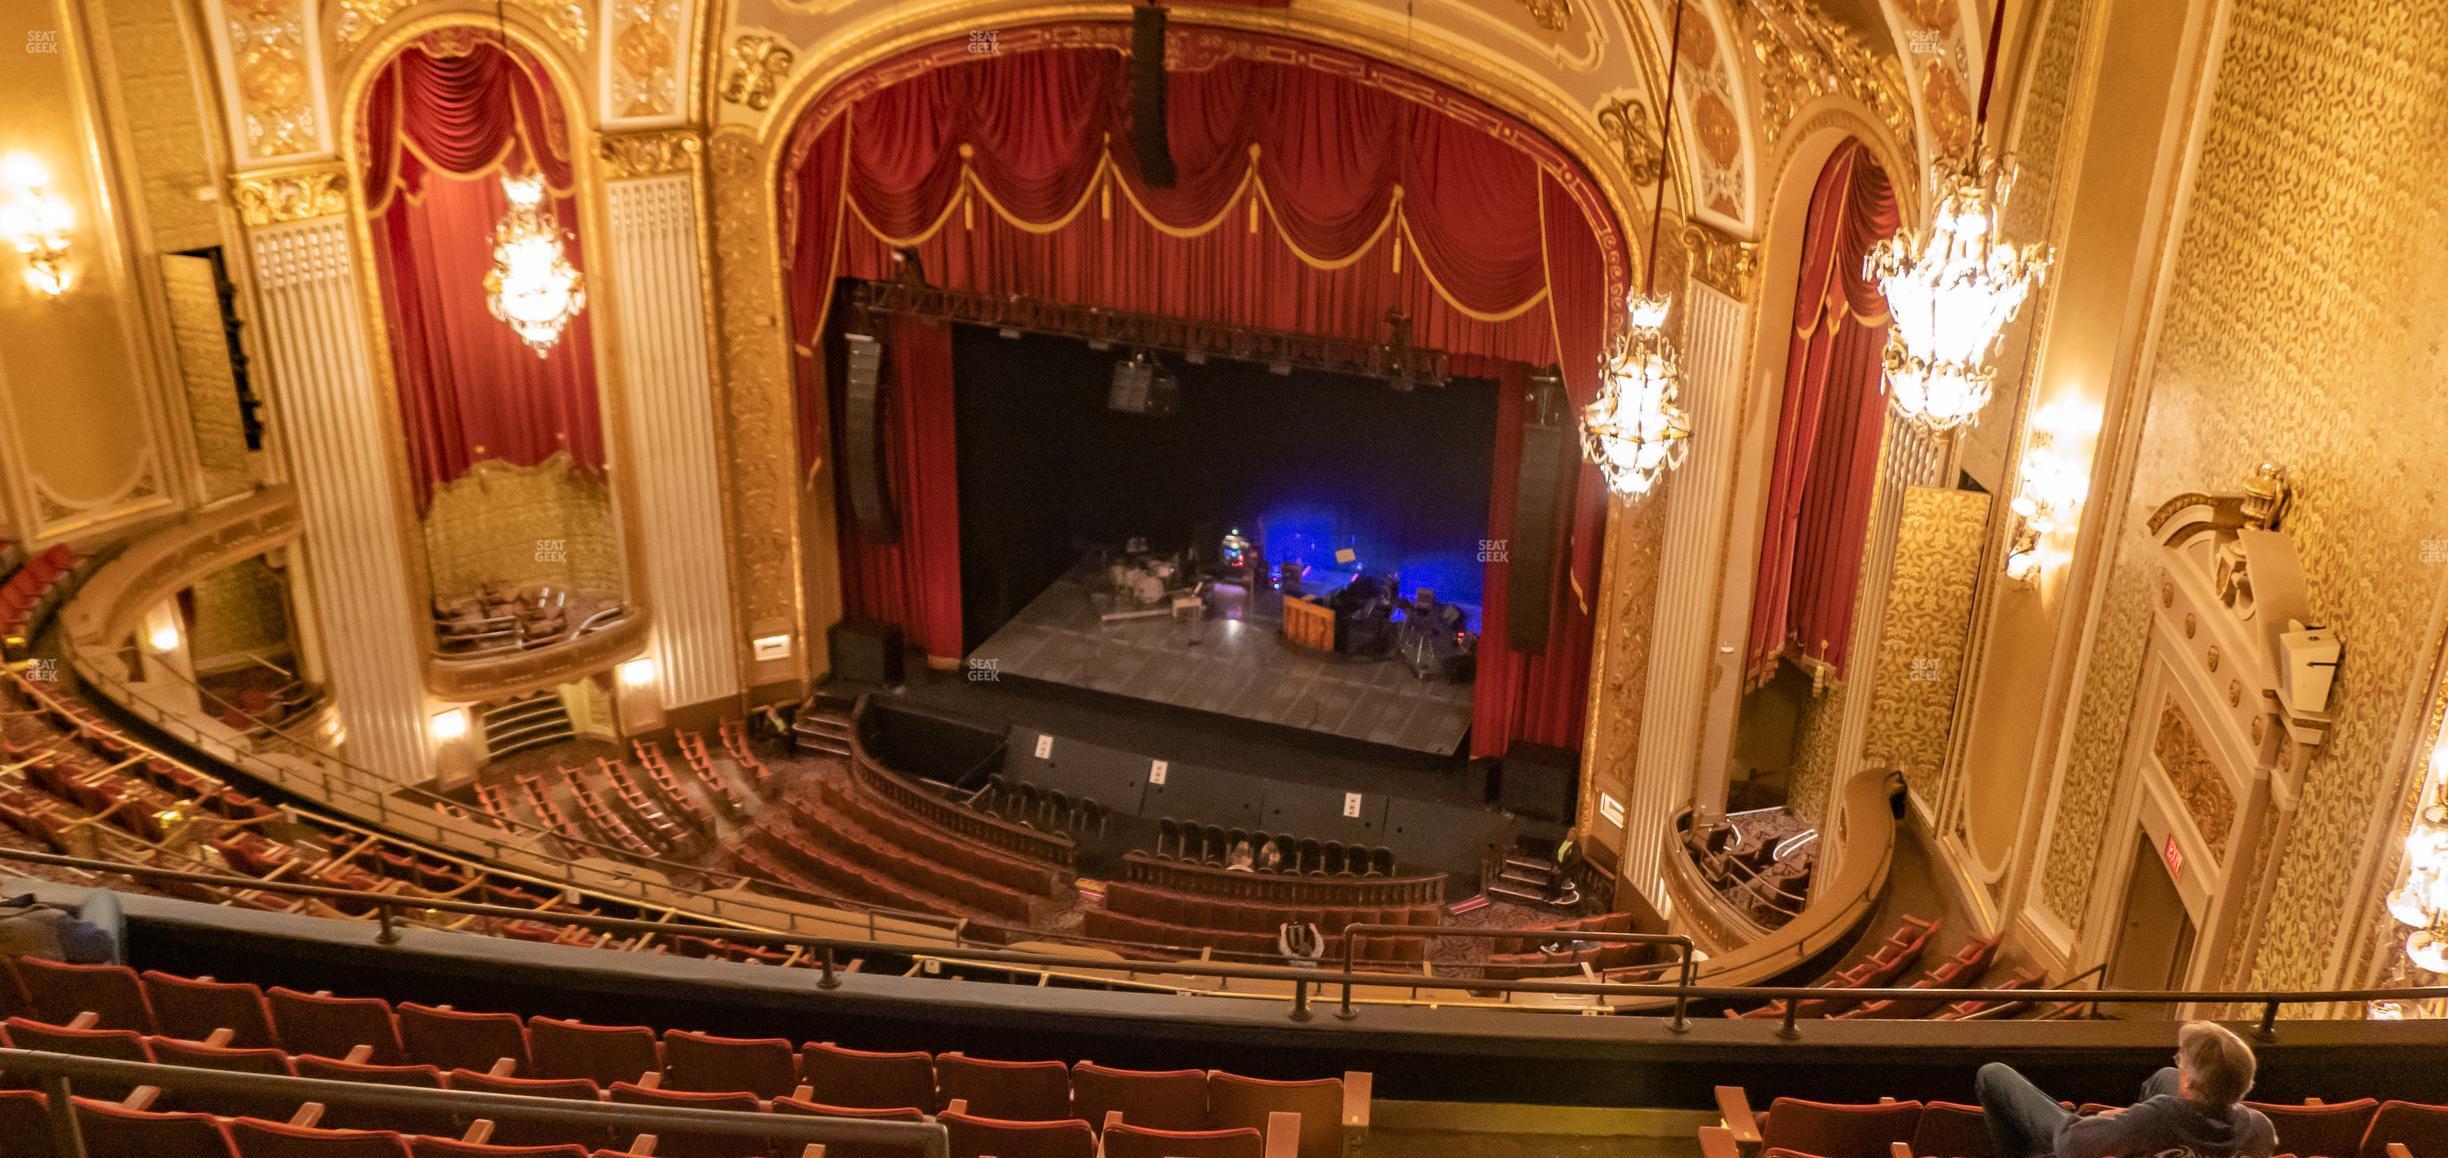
450	725
164	638
36	221
2421	900
638	673
2050	485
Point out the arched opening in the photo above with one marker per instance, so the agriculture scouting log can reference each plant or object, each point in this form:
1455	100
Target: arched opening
496	376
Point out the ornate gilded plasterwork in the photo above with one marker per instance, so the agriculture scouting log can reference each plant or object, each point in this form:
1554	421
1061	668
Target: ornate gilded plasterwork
1718	163
360	19
1939	539
645	33
757	404
1803	56
2195	776
650	153
1729	265
2291	333
759	61
269	58
1551	15
1631	128
275	196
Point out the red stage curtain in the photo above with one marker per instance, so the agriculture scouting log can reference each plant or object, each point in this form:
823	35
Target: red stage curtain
440	131
1306	200
1827	451
916	581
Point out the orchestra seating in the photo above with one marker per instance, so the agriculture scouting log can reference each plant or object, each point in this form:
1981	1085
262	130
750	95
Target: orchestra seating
989	1106
1965	970
1794	1128
1177	903
33	590
1520	958
1889	961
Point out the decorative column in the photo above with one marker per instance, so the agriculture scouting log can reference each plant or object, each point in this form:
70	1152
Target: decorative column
658	278
324	395
1717	317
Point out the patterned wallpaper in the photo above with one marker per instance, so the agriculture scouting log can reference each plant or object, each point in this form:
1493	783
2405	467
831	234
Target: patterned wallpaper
2199	784
2300	328
1921	642
519	526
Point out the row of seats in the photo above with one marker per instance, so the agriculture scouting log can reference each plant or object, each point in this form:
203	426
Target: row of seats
1170	917
849	860
1210	844
112	1012
32	592
735	741
1113	926
890	822
1968	968
1889	961
725	798
1796	1128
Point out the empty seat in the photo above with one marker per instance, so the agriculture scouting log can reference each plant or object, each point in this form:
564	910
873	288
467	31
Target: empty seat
346	1117
423	1147
854	1149
111	1130
2320	1130
1236	1102
332	1026
1832	1130
449	1039
976	1137
256	1138
1948	1130
171	1051
858	1078
57	992
2419	1128
602	1054
193	1009
705	1063
675	1144
25	1126
516	1132
114	1044
1012	1091
1123	1140
1166	1100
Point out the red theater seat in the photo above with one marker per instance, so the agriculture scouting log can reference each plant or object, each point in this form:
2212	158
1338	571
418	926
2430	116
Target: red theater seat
602	1054
1948	1130
975	1137
854	1077
449	1039
171	1051
515	1132
1325	1106
1012	1091
423	1147
332	1026
2320	1131
2422	1129
853	1149
1123	1140
371	1118
256	1138
1168	1100
58	991
194	1009
679	1145
113	1044
25	1125
1831	1130
705	1063
113	1130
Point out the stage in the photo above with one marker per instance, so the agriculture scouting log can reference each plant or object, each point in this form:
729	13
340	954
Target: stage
1229	659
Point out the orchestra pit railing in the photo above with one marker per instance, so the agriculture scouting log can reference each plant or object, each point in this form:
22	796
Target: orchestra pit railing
1318	980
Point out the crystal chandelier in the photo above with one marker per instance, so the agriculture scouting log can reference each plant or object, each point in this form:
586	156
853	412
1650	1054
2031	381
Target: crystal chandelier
532	285
1951	291
1635	430
2421	900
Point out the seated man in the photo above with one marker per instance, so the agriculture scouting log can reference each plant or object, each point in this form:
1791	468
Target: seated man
2189	1110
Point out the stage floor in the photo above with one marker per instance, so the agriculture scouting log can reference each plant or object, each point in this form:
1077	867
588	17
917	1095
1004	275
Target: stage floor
1234	664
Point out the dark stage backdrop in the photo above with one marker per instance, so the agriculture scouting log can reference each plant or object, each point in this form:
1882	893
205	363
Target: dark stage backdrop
1046	469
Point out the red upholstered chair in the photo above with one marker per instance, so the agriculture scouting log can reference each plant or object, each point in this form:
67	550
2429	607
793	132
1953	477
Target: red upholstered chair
345	1117
193	1009
25	1126
1330	1109
332	1026
680	1145
171	1051
114	1044
602	1054
854	1149
1123	1140
58	992
701	1062
1167	1100
256	1138
2422	1129
1012	1091
1837	1130
975	1137
2311	1130
112	1129
855	1077
1949	1130
514	1132
449	1039
423	1147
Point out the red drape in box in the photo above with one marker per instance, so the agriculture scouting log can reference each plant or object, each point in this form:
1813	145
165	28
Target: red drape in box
1316	191
440	131
1827	450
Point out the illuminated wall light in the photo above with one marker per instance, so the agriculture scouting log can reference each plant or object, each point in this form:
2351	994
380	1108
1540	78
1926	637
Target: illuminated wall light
2421	898
164	638
449	725
638	673
768	648
2051	483
36	221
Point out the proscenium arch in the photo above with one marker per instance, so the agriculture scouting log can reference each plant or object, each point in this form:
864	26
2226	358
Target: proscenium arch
611	376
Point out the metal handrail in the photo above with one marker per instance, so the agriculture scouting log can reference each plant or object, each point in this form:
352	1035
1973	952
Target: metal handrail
1687	966
828	950
56	1073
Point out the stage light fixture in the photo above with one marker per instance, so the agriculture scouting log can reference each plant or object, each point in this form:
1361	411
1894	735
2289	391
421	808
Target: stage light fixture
164	638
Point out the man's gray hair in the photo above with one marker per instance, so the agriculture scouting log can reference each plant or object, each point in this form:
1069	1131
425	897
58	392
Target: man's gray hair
2218	1062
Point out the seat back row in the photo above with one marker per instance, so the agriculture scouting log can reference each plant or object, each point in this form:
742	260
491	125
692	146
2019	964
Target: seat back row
2363	1128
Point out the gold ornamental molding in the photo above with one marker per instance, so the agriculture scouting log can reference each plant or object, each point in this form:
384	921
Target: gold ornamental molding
280	196
526	671
759	61
1722	262
360	19
649	154
109	606
1632	130
1551	15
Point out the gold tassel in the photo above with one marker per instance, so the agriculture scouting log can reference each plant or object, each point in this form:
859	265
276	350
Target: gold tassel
1398	252
1105	200
968	209
1253	213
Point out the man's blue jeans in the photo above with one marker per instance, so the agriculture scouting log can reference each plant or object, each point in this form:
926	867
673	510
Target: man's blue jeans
2023	1121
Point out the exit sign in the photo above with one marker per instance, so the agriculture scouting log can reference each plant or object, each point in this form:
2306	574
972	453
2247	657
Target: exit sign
2173	855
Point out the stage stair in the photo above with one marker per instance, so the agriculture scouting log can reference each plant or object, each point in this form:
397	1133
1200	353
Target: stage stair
1529	881
822	726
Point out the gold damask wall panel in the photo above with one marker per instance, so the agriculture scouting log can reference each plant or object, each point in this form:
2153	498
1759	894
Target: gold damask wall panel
239	611
1921	641
147	60
2300	328
519	526
1816	754
757	409
2200	787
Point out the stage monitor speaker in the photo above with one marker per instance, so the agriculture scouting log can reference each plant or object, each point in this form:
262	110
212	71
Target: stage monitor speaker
1147	97
865	651
1539	782
1547	464
1142	386
863	460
